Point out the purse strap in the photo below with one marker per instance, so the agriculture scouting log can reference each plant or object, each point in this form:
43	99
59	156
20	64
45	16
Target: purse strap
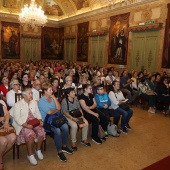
67	104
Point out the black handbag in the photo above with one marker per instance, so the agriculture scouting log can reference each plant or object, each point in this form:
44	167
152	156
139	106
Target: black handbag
124	106
56	120
74	113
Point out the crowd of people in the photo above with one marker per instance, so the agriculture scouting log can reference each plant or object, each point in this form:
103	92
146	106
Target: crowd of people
98	93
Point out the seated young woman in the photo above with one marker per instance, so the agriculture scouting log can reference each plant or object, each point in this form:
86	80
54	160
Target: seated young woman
88	104
68	104
117	98
48	104
6	141
22	112
147	93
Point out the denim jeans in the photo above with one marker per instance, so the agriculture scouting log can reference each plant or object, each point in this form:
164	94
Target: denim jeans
57	133
126	115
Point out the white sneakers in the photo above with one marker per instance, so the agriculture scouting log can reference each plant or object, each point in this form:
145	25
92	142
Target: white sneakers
39	155
32	159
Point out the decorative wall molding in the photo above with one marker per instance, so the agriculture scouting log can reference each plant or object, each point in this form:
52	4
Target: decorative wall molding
146	28
30	36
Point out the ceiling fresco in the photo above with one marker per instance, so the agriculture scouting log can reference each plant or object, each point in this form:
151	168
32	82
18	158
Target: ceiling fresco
57	9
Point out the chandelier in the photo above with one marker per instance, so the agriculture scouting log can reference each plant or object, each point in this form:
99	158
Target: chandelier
32	15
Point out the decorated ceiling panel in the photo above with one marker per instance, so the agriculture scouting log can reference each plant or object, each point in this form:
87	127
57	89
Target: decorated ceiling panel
56	9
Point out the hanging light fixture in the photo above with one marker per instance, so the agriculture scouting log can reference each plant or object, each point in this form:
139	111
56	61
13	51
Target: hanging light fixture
32	15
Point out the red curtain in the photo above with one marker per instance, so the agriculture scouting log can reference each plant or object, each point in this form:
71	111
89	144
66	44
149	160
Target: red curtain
166	49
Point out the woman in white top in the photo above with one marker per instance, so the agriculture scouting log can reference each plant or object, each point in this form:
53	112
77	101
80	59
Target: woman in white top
117	98
10	96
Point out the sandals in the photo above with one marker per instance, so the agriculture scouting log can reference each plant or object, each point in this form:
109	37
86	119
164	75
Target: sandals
74	147
2	166
86	143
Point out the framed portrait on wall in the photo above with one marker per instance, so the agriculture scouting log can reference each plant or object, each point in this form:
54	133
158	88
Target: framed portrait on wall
82	42
52	42
10	40
118	39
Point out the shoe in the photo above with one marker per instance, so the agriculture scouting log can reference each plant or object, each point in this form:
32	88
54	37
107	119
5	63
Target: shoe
118	131
86	143
67	150
39	155
97	140
103	139
32	160
107	136
74	148
128	127
123	130
151	111
62	157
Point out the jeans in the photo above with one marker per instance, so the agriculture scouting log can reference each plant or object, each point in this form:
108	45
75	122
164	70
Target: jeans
126	115
57	133
150	98
113	113
130	95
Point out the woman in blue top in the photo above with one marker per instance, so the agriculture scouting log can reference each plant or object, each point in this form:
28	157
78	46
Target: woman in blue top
48	104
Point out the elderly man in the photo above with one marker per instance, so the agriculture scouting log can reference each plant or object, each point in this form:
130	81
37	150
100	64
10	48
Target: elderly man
10	96
36	90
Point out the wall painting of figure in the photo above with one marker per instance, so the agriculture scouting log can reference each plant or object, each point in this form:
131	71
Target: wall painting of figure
118	39
10	40
52	43
82	42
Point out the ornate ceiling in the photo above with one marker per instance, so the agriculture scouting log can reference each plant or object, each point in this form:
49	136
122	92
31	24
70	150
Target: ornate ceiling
58	9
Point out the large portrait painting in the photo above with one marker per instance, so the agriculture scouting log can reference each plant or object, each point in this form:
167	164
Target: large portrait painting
118	39
10	42
166	50
52	43
82	42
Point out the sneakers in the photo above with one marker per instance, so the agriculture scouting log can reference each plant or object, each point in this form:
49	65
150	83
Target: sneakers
39	155
123	130
85	143
67	150
106	135
97	140
151	111
103	139
32	160
62	157
128	127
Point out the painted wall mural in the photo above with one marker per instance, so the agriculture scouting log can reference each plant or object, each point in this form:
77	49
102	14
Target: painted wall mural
81	3
10	42
52	8
82	42
118	39
52	43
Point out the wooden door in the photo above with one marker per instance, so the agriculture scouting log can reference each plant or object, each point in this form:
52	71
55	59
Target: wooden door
145	51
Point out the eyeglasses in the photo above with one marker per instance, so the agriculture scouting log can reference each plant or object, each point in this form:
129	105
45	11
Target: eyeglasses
17	84
90	88
101	89
38	84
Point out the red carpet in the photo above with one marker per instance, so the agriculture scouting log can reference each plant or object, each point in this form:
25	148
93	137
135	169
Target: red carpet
163	164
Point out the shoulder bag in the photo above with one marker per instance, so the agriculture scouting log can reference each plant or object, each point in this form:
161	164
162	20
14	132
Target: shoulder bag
55	120
74	113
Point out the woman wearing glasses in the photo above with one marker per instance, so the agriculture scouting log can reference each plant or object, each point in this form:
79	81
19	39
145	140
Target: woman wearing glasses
10	96
88	104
